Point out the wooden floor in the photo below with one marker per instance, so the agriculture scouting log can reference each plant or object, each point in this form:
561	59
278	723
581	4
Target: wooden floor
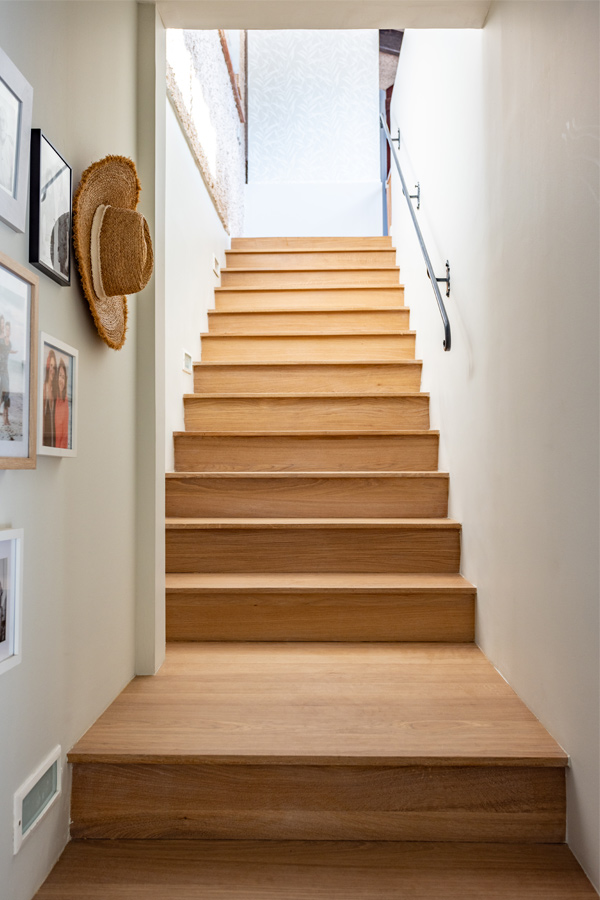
271	870
318	702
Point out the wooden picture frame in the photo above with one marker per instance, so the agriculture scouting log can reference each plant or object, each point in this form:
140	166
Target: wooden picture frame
57	397
16	105
11	597
18	364
50	210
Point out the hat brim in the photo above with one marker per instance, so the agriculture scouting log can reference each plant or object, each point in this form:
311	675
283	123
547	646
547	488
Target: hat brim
111	181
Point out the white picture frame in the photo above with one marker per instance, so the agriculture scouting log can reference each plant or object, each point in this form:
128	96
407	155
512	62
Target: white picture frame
58	397
11	597
16	106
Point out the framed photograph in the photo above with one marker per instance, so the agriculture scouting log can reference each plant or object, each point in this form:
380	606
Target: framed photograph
11	597
16	102
18	365
50	206
57	405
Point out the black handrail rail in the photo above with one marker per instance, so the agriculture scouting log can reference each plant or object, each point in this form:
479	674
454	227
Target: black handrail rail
430	272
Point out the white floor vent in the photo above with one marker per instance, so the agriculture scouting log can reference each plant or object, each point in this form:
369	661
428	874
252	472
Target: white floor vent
35	797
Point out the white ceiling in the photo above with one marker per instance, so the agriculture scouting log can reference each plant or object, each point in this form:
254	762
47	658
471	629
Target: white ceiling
271	14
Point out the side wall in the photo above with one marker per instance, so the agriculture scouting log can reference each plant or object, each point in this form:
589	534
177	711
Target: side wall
193	233
78	514
313	137
500	126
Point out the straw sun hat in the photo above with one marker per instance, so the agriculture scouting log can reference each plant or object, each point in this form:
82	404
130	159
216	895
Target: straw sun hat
112	243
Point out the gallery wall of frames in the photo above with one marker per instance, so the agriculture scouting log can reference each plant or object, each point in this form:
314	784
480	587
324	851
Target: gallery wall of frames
38	371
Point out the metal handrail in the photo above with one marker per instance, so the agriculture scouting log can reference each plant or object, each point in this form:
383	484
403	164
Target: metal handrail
430	272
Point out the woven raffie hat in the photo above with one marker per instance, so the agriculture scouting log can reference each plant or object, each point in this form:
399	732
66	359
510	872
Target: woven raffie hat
112	243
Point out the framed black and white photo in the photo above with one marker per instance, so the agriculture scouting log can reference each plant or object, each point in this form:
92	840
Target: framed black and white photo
16	102
18	364
11	597
57	404
50	203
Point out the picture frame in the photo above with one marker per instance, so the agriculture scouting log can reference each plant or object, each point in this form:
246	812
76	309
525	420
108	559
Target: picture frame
16	105
18	365
50	209
11	597
57	397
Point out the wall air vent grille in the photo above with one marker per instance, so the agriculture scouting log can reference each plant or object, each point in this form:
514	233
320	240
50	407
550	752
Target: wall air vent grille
35	797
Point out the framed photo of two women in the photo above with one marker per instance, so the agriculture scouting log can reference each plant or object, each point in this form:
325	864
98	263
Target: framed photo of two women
57	398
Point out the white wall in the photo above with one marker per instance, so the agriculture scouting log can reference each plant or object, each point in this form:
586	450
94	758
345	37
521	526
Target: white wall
193	233
313	133
78	514
304	210
501	128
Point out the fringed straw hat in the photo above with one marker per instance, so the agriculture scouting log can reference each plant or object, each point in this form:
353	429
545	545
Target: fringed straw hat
112	243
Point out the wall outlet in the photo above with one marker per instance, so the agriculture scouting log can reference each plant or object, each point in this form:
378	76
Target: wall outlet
187	363
216	266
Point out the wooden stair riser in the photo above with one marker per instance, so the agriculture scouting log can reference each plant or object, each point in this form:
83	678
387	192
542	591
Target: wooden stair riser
307	377
320	615
309	259
290	547
316	802
341	413
305	322
303	347
313	496
306	453
340	278
312	243
232	300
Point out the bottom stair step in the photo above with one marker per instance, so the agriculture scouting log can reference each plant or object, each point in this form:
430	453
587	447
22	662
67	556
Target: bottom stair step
319	742
279	870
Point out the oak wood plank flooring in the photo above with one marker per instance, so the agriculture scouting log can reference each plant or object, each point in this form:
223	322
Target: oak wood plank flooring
312	243
403	704
320	494
307	451
386	377
315	802
318	298
274	870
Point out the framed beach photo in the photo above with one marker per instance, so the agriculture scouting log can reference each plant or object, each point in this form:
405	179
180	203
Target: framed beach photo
16	103
18	364
50	207
57	403
11	597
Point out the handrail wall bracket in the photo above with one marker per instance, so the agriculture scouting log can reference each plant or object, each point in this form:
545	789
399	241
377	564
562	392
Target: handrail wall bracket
432	276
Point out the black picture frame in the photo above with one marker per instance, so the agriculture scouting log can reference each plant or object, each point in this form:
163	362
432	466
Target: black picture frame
50	209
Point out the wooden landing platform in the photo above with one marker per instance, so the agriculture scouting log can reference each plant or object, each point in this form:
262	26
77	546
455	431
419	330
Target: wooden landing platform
271	870
325	704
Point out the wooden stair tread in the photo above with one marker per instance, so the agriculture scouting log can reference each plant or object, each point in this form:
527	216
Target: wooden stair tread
326	287
365	268
307	395
293	250
324	704
307	309
307	334
314	870
306	581
309	362
367	241
347	523
178	476
308	434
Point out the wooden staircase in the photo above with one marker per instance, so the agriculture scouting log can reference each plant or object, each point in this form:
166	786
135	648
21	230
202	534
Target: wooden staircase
324	725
